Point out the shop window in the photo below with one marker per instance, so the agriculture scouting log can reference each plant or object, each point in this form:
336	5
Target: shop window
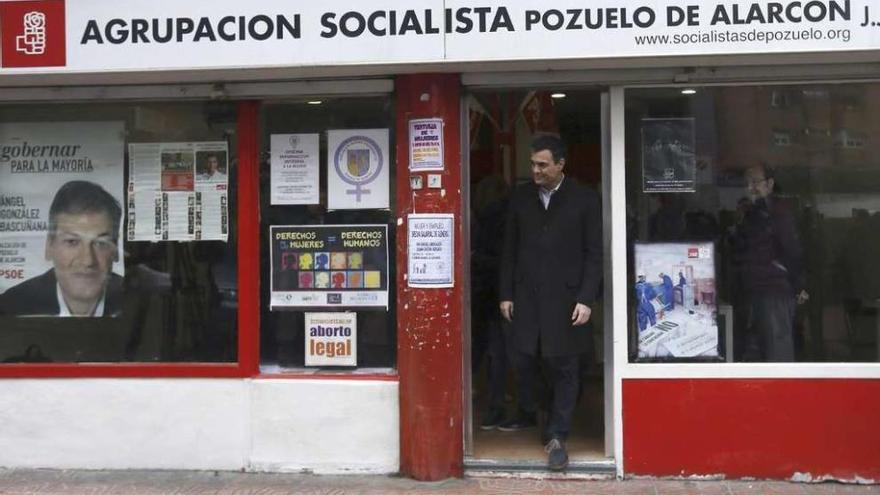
752	249
327	236
118	233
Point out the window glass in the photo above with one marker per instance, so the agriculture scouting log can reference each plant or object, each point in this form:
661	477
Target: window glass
123	215
753	217
307	254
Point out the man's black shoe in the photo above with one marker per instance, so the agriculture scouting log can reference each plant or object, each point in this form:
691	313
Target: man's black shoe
557	457
520	422
494	418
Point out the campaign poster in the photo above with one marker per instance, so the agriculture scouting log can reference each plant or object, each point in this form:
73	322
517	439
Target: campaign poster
178	191
331	339
329	265
676	301
430	250
425	144
357	169
294	167
69	164
669	161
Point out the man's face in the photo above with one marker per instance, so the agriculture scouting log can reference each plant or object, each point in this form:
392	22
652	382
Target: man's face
759	186
546	172
213	165
82	251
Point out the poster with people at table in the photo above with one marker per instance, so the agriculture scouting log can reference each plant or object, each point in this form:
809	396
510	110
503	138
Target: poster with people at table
675	301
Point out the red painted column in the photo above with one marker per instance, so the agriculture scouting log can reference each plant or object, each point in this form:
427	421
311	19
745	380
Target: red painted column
248	239
429	321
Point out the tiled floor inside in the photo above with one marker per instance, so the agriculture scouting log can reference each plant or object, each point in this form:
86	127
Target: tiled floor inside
586	442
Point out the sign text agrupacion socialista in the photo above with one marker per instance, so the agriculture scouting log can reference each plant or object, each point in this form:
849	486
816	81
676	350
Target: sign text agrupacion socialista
463	20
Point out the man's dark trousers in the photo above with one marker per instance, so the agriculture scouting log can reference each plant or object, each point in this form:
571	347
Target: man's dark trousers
563	374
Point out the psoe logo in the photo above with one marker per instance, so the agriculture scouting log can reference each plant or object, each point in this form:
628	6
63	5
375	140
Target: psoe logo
32	33
33	41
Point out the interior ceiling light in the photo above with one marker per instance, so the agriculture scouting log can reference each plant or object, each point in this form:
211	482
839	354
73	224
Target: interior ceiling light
557	95
689	91
314	102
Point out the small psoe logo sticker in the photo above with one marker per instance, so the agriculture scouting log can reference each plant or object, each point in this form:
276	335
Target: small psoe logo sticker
33	41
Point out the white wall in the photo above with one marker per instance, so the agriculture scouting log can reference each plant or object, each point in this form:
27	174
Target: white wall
269	425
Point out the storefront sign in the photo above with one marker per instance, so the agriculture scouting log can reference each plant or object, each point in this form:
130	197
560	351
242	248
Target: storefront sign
294	165
331	339
430	249
357	172
68	164
668	155
82	35
329	265
426	144
676	301
178	191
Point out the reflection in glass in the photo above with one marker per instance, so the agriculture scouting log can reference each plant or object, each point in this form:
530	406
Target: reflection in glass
786	190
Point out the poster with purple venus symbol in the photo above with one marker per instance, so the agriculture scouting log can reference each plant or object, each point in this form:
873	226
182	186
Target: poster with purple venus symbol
357	169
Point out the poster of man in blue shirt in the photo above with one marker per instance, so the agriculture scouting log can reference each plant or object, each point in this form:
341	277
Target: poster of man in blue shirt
645	310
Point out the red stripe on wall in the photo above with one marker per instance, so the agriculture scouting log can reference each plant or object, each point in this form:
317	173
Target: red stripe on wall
763	428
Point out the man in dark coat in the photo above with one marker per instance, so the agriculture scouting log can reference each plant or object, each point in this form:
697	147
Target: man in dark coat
81	244
769	260
550	273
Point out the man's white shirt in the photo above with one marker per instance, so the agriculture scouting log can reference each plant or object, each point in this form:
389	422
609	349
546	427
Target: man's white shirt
65	311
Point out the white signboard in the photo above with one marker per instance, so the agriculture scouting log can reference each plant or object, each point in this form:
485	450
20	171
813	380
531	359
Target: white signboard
294	165
37	162
178	191
357	169
168	34
331	339
430	249
426	144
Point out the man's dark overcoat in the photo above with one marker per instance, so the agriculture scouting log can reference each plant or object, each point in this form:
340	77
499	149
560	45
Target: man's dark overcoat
552	259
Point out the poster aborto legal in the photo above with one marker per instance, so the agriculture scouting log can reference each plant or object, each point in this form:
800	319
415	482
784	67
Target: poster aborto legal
330	339
37	160
676	301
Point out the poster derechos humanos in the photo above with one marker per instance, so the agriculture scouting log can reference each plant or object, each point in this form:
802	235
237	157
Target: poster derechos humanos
329	265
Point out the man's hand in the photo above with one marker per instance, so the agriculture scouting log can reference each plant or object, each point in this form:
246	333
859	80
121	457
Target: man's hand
507	310
802	297
580	315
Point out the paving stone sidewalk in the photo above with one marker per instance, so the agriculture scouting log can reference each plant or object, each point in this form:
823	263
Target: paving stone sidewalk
44	482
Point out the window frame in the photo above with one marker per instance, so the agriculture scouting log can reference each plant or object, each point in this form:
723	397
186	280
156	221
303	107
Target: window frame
248	97
248	281
616	188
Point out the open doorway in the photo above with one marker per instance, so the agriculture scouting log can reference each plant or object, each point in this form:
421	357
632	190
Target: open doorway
501	126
